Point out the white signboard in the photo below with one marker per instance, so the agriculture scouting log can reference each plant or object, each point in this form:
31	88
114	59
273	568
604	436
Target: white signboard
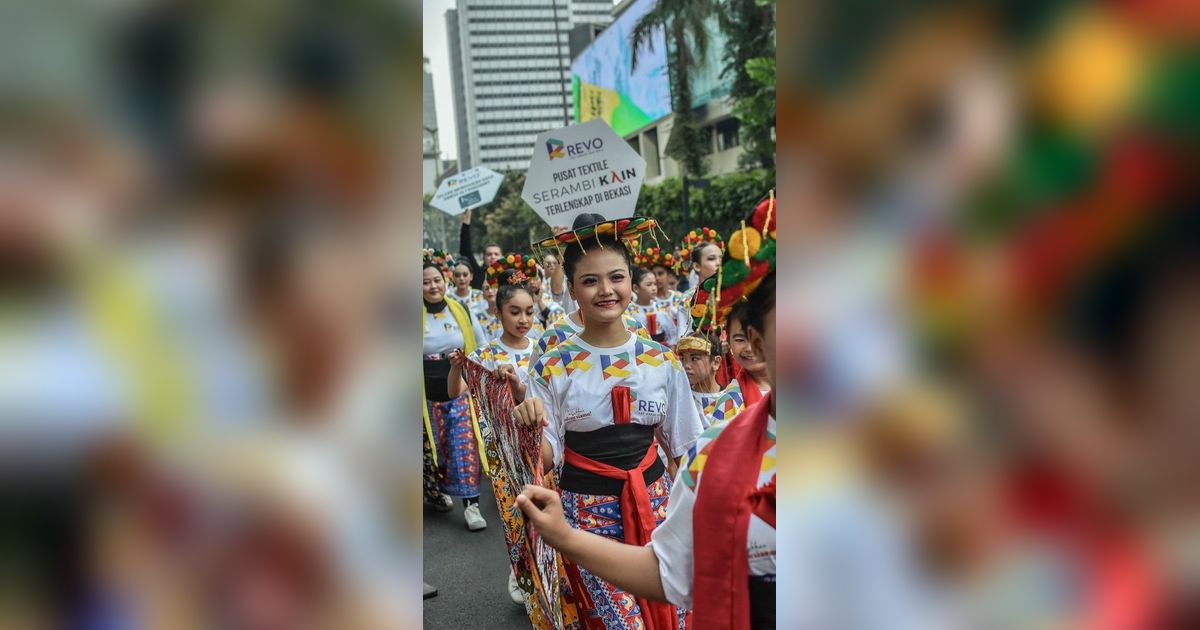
469	189
583	168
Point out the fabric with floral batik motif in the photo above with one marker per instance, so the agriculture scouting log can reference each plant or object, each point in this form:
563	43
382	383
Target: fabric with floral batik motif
514	458
458	459
602	604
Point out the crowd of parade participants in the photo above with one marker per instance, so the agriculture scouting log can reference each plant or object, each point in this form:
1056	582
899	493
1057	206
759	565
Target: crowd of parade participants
646	364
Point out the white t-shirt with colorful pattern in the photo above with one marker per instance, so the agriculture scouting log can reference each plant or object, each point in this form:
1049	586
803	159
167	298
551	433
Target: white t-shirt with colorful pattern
676	305
442	333
665	321
673	541
475	302
565	326
720	406
575	380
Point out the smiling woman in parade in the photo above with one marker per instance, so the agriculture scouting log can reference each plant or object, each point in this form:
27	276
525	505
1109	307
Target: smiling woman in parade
452	459
716	551
603	395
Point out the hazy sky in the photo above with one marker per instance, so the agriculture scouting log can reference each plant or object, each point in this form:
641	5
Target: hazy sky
434	35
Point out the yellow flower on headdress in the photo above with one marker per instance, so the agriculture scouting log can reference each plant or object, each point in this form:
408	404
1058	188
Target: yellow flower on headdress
744	243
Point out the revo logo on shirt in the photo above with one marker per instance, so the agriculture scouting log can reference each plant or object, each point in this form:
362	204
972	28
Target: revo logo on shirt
650	407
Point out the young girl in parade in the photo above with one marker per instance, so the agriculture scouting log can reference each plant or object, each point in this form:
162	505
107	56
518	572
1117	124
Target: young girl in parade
715	554
489	320
602	395
701	357
453	453
463	293
656	317
752	381
514	301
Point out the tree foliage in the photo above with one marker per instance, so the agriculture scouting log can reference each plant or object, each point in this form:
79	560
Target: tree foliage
749	27
684	24
722	206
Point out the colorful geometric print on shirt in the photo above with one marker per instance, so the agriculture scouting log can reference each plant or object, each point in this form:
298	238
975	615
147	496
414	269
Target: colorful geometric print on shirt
552	311
564	327
496	353
762	535
677	305
727	405
475	302
490	325
576	380
441	333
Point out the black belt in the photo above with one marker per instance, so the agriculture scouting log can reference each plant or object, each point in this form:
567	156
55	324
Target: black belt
620	445
762	602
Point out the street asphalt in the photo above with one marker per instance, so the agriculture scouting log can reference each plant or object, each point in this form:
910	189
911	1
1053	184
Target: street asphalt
470	571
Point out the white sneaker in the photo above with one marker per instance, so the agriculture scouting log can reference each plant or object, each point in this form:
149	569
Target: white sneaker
474	519
514	591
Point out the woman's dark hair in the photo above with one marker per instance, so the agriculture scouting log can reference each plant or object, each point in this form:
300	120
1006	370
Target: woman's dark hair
751	312
429	265
575	252
461	261
507	289
638	274
698	251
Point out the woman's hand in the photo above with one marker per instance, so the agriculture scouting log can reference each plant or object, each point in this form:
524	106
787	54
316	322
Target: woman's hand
531	413
543	509
458	359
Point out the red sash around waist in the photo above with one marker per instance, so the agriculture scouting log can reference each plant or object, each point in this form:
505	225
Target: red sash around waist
637	520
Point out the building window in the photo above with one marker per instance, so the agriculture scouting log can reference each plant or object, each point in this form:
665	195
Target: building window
650	143
727	134
636	144
707	133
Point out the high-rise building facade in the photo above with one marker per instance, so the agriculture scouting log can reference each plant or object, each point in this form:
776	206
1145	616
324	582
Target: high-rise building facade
430	149
454	44
514	58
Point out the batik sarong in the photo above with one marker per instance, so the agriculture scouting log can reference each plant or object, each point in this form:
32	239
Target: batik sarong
600	604
514	454
457	449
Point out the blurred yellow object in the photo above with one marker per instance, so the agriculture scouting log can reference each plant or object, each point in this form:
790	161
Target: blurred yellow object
134	334
744	243
918	418
1088	74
